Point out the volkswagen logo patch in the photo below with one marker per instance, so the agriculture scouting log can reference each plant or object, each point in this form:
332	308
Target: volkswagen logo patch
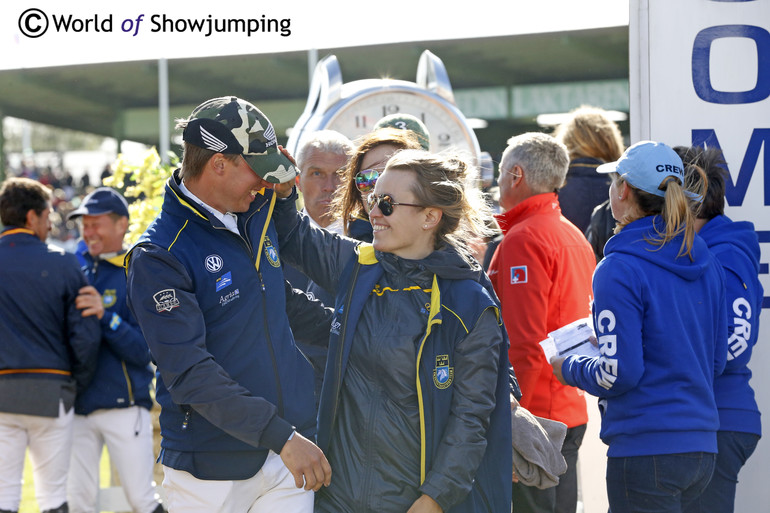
213	263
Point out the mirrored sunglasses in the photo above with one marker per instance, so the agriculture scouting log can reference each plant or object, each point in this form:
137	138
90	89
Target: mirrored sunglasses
385	203
365	179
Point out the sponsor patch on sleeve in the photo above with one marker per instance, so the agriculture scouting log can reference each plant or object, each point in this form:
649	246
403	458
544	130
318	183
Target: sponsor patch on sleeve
165	300
518	274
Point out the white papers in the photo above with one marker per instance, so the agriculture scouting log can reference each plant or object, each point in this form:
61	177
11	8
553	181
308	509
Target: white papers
574	338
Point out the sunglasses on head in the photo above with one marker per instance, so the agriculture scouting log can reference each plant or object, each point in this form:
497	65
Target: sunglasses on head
385	203
365	179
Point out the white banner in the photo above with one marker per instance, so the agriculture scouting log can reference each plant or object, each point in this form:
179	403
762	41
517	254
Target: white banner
700	72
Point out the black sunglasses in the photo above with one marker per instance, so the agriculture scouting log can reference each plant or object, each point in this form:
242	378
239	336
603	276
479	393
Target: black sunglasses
385	203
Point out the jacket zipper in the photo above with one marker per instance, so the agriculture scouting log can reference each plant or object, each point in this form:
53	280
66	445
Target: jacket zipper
278	387
129	387
279	392
340	351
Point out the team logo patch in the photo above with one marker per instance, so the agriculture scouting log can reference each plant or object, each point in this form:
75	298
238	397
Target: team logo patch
165	300
271	253
518	274
109	297
224	281
443	374
213	263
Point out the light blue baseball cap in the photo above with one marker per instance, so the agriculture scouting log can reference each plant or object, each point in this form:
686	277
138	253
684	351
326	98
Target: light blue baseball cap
645	165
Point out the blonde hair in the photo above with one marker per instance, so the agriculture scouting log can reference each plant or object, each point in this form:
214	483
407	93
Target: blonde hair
676	208
589	132
449	183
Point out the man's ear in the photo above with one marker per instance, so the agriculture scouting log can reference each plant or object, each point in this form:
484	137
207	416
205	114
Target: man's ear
123	224
31	218
217	163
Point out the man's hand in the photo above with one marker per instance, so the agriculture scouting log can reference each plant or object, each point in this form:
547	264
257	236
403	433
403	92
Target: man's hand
425	504
556	364
307	463
89	301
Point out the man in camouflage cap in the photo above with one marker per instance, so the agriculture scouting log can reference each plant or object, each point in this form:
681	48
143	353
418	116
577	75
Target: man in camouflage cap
206	285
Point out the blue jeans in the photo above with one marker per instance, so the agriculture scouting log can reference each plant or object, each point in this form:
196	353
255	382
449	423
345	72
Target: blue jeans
665	483
719	496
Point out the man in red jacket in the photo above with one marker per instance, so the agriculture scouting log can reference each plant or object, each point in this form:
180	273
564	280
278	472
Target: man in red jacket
542	273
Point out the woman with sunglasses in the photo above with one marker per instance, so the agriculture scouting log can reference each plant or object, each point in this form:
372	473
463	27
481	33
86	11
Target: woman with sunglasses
364	167
661	321
415	409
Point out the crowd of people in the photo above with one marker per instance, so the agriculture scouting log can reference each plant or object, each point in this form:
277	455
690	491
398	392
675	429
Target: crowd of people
378	348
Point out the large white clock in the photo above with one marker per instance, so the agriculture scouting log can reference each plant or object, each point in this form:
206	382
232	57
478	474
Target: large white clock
353	108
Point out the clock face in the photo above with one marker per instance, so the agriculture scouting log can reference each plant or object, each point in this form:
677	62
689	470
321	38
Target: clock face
444	122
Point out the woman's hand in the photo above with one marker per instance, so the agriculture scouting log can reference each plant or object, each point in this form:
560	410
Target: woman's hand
556	364
283	190
425	504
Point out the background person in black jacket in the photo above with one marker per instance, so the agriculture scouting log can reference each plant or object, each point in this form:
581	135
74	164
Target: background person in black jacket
591	138
48	349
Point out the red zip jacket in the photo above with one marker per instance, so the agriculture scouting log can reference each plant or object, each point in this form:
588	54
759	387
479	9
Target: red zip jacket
542	273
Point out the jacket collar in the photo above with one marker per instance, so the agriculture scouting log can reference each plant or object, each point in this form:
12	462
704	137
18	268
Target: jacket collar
179	203
547	203
14	230
115	258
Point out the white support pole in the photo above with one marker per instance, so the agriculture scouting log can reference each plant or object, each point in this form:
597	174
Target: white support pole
163	115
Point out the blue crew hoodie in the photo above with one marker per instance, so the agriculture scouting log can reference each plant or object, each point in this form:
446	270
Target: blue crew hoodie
661	324
736	247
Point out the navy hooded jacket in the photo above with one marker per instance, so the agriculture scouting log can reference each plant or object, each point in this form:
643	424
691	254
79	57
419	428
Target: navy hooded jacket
458	297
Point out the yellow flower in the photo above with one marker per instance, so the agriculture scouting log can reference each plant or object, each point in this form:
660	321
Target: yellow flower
146	183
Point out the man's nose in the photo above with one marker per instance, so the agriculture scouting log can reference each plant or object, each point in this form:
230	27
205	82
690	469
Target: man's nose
331	183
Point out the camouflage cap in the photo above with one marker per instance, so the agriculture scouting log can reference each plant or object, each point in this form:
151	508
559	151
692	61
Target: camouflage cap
407	122
234	126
